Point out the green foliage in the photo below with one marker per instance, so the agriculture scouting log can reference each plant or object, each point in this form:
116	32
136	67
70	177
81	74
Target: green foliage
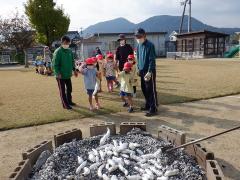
19	57
49	20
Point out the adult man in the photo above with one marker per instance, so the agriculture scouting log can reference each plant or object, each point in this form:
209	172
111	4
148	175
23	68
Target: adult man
146	58
122	52
98	51
63	65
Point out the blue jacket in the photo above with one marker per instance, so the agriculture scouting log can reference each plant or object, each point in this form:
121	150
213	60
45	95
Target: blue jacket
146	56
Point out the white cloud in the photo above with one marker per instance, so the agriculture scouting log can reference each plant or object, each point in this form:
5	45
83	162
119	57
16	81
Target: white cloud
87	12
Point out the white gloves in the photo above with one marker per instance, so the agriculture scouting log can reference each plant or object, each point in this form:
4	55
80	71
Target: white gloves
148	76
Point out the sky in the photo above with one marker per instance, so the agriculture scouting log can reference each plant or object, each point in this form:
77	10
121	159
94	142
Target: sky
83	13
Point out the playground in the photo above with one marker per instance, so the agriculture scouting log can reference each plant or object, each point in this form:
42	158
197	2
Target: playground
197	119
32	99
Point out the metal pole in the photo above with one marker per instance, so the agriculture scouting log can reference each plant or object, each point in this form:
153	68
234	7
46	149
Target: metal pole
202	139
189	16
82	48
183	14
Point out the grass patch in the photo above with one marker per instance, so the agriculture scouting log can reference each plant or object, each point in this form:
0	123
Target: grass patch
28	99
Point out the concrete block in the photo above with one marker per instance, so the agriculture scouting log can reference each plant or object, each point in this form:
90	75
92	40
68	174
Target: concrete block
67	137
34	153
125	127
99	129
214	172
171	135
200	153
22	171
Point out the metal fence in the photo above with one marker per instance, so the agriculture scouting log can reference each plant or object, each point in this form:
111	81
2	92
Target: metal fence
185	55
5	59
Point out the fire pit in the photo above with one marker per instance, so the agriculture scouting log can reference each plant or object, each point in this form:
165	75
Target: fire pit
132	154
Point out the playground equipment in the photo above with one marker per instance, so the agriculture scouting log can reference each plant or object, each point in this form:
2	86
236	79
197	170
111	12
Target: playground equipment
232	52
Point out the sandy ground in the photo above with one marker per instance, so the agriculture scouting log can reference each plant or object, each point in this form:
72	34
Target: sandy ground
197	119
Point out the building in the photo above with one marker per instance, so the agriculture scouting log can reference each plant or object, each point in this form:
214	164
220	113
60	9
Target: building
7	55
75	38
238	36
108	42
202	44
35	51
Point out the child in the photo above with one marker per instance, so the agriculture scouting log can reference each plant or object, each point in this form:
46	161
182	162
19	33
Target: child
48	69
126	88
110	71
90	79
41	68
131	59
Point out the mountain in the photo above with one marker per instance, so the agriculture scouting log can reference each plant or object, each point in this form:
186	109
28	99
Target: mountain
156	23
116	25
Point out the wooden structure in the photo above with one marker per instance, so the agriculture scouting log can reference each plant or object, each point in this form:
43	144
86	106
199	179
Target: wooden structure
203	44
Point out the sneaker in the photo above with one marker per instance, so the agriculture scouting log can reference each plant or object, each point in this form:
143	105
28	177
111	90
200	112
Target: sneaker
97	106
134	95
117	85
68	108
150	114
130	110
72	104
125	104
91	108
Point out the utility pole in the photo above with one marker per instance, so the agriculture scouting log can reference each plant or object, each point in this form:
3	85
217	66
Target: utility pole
82	48
184	3
189	16
183	14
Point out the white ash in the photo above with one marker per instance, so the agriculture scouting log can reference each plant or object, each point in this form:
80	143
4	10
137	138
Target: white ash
134	156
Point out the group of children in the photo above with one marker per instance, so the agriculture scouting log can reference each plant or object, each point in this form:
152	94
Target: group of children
43	63
95	68
43	68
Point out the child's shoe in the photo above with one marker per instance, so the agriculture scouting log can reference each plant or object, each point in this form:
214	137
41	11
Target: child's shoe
125	104
91	108
97	106
117	85
130	109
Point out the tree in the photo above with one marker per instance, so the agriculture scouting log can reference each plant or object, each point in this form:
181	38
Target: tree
49	20
16	32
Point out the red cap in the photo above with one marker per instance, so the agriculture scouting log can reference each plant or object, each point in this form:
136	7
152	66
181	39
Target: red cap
127	66
94	59
89	61
100	57
131	56
110	55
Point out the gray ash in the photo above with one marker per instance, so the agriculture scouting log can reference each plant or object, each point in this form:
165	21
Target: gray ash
62	164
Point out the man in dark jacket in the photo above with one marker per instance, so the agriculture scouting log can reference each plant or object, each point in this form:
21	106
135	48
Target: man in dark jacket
122	52
146	58
63	66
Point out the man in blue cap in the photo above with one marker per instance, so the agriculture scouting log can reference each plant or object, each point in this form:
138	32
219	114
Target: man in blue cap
146	58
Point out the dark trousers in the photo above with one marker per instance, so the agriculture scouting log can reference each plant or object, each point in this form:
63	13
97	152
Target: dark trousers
65	90
149	91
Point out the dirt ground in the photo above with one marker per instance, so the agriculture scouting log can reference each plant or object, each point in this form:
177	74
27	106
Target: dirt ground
197	119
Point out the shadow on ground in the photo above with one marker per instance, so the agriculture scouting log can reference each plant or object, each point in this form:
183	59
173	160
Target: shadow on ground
228	169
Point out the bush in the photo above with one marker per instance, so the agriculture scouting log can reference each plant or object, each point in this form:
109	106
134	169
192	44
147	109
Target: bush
19	57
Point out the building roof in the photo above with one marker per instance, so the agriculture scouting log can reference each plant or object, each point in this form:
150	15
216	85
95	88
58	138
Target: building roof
127	33
202	32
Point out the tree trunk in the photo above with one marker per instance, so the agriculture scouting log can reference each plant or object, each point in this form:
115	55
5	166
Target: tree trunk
26	59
